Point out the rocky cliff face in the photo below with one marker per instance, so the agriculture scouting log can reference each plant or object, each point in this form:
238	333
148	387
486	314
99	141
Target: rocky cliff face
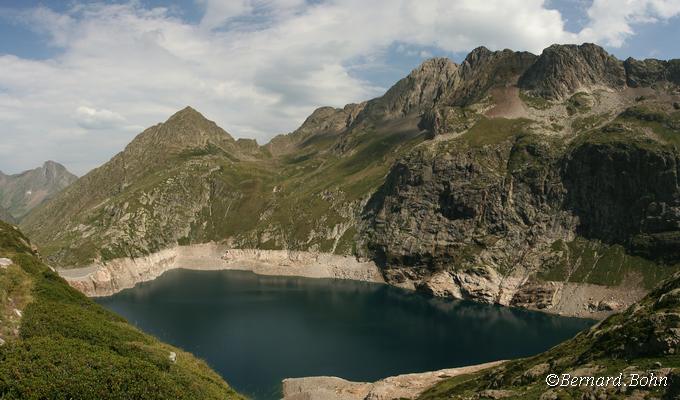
22	192
648	72
561	70
510	178
463	207
419	91
483	222
624	191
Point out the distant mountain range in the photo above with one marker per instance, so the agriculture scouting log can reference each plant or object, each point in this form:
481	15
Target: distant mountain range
543	181
20	193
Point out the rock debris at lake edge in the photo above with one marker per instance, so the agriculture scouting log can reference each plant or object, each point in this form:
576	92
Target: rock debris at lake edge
114	276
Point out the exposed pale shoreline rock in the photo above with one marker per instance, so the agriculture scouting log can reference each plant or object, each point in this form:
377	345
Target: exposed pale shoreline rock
407	386
105	279
569	299
565	299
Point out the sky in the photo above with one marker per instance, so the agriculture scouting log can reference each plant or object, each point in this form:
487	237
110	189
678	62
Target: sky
79	79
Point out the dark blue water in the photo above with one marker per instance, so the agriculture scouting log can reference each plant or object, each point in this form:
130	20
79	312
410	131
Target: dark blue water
256	330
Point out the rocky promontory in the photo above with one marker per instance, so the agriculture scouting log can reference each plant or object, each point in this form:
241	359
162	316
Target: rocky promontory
408	386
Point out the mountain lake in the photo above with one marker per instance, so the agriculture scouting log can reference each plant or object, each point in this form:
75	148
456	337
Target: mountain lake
257	330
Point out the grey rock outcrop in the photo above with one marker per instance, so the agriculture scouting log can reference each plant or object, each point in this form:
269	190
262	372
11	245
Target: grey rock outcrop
323	123
419	91
483	69
564	69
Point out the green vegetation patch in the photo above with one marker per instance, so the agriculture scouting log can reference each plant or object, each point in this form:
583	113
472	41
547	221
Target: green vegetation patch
579	103
588	122
618	134
665	125
71	348
536	102
532	151
590	261
490	131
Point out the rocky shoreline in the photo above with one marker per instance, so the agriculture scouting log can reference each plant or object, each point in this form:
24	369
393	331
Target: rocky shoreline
105	279
561	298
407	386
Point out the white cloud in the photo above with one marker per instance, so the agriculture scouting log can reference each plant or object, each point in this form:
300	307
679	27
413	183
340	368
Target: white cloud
612	21
218	12
257	67
91	118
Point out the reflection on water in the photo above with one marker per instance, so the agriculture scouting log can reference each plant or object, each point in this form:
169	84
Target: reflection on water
256	330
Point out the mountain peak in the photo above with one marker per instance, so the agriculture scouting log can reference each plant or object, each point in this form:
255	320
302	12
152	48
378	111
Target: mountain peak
50	165
188	127
19	193
416	92
435	64
562	69
187	123
187	113
478	54
586	48
185	130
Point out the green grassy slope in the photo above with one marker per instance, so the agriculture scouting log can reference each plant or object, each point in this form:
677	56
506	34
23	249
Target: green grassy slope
61	345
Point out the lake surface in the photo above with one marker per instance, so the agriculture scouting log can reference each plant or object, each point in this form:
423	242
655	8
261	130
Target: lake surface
256	330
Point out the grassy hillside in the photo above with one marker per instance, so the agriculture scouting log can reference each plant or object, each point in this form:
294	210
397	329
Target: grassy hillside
60	345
